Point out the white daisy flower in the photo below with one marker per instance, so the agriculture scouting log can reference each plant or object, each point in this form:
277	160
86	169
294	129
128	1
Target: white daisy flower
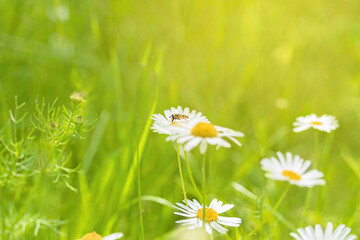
194	212
325	123
95	236
309	233
204	133
291	169
175	117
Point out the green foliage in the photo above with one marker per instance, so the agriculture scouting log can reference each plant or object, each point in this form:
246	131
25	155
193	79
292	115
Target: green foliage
34	147
15	226
252	66
16	147
57	126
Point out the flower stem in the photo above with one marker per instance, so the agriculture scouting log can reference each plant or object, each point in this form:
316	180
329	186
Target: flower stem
280	199
181	175
191	176
203	171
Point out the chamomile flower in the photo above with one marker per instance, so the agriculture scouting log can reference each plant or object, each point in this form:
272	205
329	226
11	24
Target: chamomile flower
325	123
194	212
204	133
95	236
309	233
292	169
174	118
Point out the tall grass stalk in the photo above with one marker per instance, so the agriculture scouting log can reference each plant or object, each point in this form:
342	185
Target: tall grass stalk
129	179
139	197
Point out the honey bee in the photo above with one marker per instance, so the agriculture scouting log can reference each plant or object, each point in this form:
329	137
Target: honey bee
178	116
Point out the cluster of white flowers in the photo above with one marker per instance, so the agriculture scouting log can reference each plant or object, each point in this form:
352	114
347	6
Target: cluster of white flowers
293	168
193	129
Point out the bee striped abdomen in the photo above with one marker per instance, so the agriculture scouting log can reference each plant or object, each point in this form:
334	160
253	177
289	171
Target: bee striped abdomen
178	116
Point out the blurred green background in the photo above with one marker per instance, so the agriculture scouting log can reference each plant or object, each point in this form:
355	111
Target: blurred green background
253	66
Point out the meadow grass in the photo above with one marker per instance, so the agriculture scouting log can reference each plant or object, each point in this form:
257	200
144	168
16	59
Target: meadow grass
252	66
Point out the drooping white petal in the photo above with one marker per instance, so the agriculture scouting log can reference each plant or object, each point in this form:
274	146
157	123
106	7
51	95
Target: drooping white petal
113	236
294	235
225	208
213	204
208	228
302	128
319	232
303	234
310	232
203	146
328	231
338	231
230	219
192	143
230	224
217	227
185	214
190	221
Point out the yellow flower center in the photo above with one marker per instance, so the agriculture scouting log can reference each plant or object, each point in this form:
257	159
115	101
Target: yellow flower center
316	123
91	236
292	175
204	130
210	214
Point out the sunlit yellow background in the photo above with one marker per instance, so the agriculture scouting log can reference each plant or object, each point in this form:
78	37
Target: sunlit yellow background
253	66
